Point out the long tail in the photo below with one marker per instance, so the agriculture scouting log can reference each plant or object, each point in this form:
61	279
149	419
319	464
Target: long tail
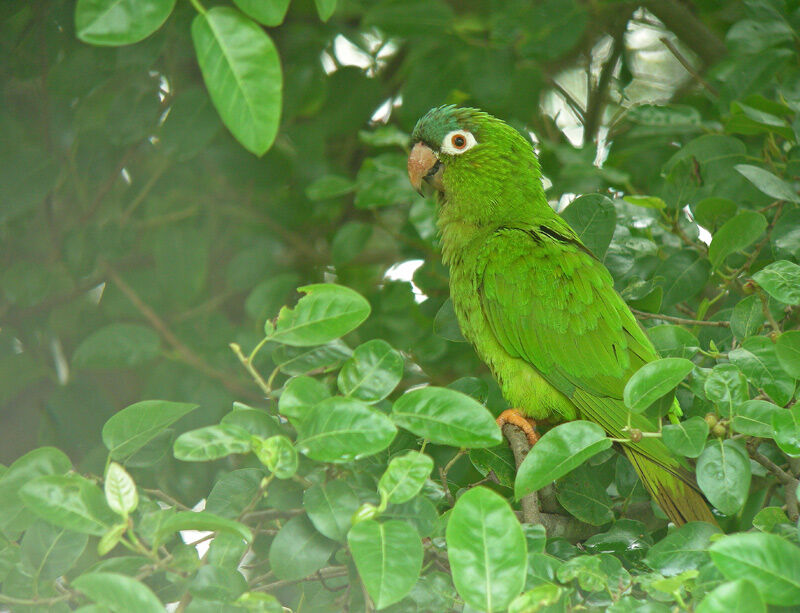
679	500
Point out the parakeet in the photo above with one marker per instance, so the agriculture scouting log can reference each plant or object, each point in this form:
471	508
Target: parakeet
537	305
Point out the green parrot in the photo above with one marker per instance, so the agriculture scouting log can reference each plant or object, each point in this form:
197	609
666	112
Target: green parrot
537	305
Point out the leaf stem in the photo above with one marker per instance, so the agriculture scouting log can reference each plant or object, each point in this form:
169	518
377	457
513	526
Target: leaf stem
198	7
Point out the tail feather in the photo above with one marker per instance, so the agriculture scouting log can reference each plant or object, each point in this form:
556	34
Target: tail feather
678	498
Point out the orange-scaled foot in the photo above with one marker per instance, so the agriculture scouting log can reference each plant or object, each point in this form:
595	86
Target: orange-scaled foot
526	424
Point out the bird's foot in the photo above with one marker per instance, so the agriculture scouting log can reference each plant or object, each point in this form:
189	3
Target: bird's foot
526	424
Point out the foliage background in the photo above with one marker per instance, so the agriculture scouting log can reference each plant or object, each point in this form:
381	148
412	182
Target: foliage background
140	239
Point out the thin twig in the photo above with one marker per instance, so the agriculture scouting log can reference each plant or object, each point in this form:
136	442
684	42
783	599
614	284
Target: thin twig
688	66
182	350
248	365
166	498
680	320
327	573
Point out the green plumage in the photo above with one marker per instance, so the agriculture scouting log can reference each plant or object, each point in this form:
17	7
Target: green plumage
538	307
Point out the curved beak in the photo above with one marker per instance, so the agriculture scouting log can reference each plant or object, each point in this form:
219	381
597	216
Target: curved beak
424	165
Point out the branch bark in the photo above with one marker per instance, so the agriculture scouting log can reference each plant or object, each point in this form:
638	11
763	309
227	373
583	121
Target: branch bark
555	524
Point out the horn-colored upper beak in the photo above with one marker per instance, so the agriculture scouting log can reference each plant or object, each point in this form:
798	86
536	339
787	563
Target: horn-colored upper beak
423	164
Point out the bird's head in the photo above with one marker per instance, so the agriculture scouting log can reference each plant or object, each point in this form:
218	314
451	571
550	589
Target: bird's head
471	157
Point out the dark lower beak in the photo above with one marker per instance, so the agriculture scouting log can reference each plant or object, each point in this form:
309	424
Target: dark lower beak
424	165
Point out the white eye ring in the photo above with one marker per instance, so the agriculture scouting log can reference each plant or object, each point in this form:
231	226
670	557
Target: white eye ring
451	142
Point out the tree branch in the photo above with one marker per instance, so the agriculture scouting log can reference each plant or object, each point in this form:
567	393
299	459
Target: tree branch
677	17
680	320
555	524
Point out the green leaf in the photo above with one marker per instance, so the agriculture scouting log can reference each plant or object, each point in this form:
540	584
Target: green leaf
558	452
787	348
190	126
298	550
539	598
723	474
342	430
781	280
685	273
349	240
133	427
767	560
405	476
768	183
769	519
211	443
758	360
388	557
202	520
233	492
585	497
299	395
383	182
242	72
330	507
330	186
47	551
736	235
673	341
325	313
647	202
487	551
685	548
726	386
498	460
278	454
446	417
712	213
419	511
111	538
654	380
739	596
256	421
119	22
118	592
268	12
325	8
593	218
69	501
35	463
754	418
445	324
117	346
687	438
747	317
120	490
217	583
786	425
372	373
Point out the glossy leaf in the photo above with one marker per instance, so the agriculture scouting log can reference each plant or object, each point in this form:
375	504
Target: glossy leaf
754	418
217	583
747	317
446	417
118	592
757	359
723	474
593	218
133	427
497	460
405	476
211	443
242	72
768	183
202	520
278	454
48	551
787	349
654	380
585	498
120	490
786	424
330	506
372	373
388	557
685	548
673	341
298	550
325	8
268	12
342	429
781	280
768	561
325	313
487	550
687	438
735	235
559	451
69	501
119	22
739	596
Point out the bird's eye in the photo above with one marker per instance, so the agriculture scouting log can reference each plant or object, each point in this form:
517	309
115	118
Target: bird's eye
457	142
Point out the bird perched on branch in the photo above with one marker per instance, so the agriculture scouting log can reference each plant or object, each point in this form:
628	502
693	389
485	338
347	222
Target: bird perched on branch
536	304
